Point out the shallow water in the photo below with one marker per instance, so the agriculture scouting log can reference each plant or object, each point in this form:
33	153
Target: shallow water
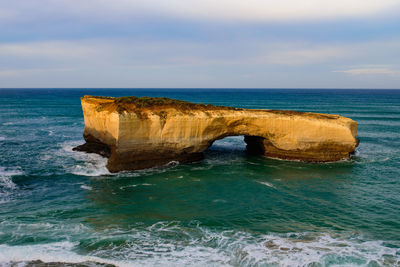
230	209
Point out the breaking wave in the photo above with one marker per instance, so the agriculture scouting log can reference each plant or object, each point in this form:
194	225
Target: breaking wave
266	184
86	187
59	252
93	165
7	186
85	164
134	185
201	246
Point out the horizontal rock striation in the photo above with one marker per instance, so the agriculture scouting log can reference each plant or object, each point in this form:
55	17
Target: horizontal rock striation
137	133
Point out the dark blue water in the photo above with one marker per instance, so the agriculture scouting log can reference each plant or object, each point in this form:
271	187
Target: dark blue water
230	209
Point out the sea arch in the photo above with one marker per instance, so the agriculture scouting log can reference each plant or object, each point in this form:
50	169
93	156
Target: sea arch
145	132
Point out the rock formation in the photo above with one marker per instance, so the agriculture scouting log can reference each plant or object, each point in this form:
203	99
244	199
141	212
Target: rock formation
142	132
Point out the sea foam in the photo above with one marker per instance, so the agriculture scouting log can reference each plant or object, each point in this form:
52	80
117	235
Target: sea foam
85	164
59	252
200	246
266	184
6	174
86	187
7	186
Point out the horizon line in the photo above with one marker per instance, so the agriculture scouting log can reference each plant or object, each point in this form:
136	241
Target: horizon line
202	88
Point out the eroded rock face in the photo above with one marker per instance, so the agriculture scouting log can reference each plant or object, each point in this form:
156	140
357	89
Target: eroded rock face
137	133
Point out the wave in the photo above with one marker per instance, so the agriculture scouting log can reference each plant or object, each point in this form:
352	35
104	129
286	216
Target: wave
2	138
195	245
134	185
266	184
86	187
60	252
7	186
84	164
7	173
93	165
220	201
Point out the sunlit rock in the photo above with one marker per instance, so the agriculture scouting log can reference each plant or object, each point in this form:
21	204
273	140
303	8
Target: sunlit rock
137	133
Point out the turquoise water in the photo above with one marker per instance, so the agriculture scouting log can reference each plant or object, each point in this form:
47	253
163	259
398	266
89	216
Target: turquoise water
230	209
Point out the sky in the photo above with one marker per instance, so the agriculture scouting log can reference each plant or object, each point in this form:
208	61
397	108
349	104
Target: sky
200	43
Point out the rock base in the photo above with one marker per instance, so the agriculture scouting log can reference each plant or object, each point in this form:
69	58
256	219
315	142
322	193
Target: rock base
327	152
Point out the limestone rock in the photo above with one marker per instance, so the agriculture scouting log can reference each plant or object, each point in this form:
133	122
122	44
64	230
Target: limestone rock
136	133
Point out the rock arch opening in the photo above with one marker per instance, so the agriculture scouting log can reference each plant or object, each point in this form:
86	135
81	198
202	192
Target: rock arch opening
237	144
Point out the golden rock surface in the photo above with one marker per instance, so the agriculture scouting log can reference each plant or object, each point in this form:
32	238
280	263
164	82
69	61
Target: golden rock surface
139	133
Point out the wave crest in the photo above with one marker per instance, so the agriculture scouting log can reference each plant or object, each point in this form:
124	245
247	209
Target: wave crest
7	186
195	245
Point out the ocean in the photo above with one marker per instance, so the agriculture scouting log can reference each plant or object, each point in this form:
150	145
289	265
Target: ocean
230	209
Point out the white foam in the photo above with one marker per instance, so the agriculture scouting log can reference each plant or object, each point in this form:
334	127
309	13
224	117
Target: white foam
266	184
199	246
227	248
7	186
94	165
134	185
172	163
253	163
86	164
2	138
295	250
86	187
6	174
205	168
53	252
219	201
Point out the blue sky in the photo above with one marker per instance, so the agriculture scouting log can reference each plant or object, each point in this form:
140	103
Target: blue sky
208	43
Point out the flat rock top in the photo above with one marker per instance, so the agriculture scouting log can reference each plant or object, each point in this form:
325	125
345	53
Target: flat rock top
135	104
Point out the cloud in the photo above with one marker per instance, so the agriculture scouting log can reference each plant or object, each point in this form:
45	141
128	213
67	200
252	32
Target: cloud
208	10
156	54
301	56
127	62
371	71
23	72
48	49
270	10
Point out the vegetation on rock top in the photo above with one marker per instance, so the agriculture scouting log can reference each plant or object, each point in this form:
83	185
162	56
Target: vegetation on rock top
133	103
145	101
137	104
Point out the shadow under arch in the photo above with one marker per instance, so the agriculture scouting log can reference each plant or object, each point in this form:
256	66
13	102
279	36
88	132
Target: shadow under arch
237	143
